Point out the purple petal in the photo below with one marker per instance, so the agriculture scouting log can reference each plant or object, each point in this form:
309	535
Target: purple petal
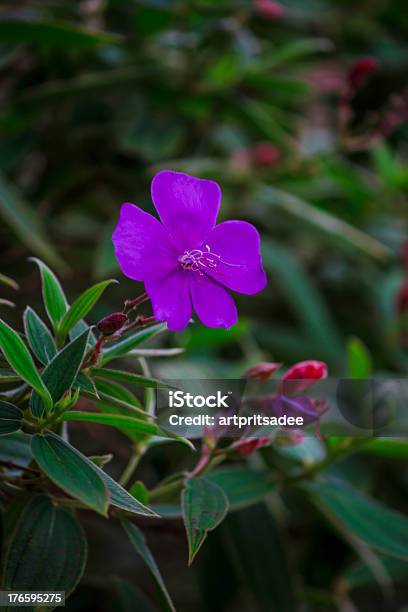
238	263
187	206
170	297
141	243
213	304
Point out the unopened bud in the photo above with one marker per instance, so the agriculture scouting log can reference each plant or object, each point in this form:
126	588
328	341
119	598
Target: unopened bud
112	323
262	370
270	9
247	446
360	70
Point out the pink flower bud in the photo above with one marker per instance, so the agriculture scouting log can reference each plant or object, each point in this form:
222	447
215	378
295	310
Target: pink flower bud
270	9
303	374
112	323
360	70
262	370
247	446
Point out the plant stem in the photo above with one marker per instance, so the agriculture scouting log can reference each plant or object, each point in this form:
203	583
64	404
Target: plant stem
132	465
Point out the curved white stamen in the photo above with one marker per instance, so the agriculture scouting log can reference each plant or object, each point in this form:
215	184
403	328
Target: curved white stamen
197	258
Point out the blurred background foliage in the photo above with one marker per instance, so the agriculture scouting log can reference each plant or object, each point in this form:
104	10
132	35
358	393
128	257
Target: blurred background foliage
299	110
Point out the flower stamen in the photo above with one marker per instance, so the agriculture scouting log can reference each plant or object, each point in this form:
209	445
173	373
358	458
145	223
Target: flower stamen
197	259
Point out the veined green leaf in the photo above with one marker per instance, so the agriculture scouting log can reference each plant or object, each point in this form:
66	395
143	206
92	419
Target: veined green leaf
114	420
204	506
47	549
61	372
10	418
70	470
81	307
16	447
21	361
54	298
378	526
39	337
137	539
132	341
117	391
25	223
52	34
120	498
136	379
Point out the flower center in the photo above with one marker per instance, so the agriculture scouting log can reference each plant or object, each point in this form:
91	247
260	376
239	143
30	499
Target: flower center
198	259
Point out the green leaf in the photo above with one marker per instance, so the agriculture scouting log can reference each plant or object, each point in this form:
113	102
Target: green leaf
242	486
52	34
21	361
359	363
120	498
80	308
204	506
61	372
54	298
10	418
39	337
130	342
70	470
137	539
136	379
24	221
256	548
7	376
360	574
384	529
47	549
114	420
116	391
16	447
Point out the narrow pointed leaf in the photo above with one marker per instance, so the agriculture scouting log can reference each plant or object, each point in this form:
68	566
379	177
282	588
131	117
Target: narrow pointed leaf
21	361
129	377
384	529
138	540
61	372
132	341
114	420
47	549
38	336
70	470
204	506
54	298
10	418
81	307
120	498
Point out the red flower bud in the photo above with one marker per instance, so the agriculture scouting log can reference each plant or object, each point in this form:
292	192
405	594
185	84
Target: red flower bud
112	323
304	374
248	446
270	9
262	370
360	70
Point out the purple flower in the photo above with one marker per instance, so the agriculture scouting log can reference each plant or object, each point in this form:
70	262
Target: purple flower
186	260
